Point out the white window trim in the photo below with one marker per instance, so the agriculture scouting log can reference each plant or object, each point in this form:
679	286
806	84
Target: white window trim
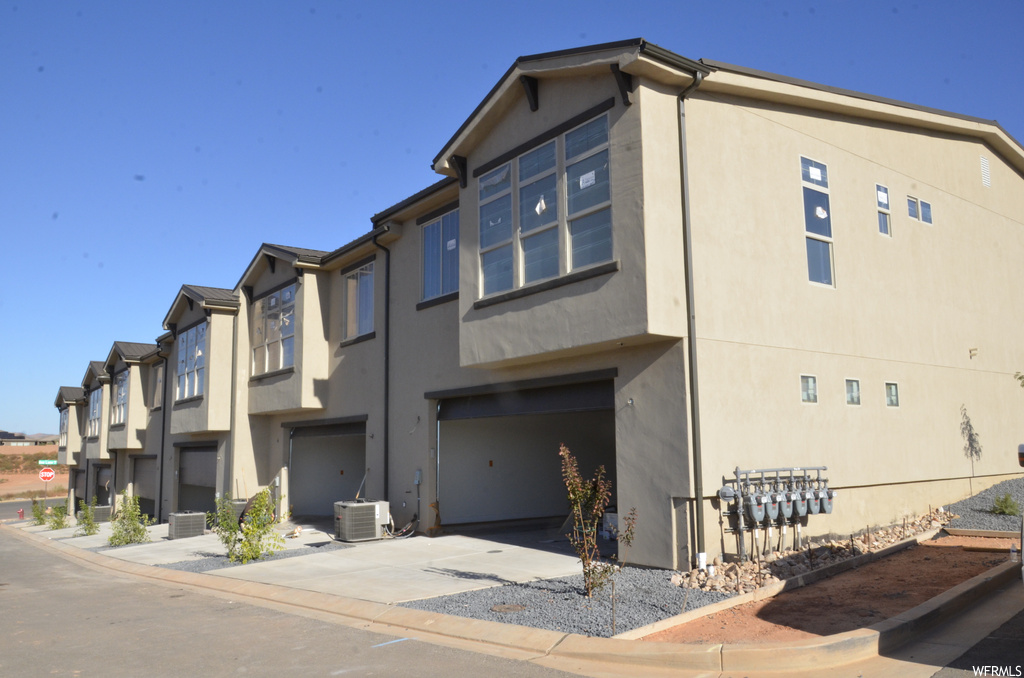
64	416
814	382
191	380
846	386
563	218
886	210
119	398
439	222
919	204
887	385
95	412
348	333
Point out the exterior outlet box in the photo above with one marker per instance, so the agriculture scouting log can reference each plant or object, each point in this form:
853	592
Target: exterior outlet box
183	525
360	520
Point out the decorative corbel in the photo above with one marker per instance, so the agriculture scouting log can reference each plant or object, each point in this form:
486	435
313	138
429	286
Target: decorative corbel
530	87
625	83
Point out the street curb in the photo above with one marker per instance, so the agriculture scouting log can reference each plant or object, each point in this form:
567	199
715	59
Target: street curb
826	652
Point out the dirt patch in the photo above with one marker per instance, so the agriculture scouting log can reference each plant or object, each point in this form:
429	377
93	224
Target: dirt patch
851	600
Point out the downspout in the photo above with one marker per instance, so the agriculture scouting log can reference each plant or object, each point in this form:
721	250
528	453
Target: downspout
387	357
691	328
163	436
230	446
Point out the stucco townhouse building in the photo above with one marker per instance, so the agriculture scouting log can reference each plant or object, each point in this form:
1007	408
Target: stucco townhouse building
676	268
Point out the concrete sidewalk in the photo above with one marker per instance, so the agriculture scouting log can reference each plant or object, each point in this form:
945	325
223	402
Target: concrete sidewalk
357	586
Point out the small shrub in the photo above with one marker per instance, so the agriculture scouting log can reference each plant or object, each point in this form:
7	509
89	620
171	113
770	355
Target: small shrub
39	512
1006	506
129	525
87	523
58	518
253	536
587	502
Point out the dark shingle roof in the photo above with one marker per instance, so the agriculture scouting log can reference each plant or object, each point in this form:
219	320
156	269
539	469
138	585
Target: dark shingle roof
201	293
133	351
71	394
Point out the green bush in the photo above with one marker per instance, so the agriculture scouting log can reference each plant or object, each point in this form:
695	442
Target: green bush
254	536
39	512
87	523
1006	506
129	525
58	518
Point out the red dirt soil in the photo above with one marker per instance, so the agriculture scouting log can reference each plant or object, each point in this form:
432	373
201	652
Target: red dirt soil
851	600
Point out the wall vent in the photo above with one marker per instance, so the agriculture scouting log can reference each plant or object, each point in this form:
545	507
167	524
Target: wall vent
986	173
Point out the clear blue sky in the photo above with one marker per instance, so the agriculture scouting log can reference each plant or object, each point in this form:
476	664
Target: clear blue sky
144	145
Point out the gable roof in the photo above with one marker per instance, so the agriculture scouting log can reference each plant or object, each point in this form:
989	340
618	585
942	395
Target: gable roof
96	370
69	395
130	352
300	257
206	297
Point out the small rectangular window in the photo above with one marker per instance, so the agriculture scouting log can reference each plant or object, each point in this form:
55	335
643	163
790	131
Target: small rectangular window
158	386
912	208
926	212
892	394
853	392
808	388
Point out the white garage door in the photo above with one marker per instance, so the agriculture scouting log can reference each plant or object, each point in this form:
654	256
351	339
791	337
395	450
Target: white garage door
325	468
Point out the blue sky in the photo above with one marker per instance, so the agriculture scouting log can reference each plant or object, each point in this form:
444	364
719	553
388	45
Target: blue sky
144	145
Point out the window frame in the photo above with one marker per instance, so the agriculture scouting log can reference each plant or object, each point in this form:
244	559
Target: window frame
814	180
64	417
884	211
95	412
188	341
119	398
358	273
445	264
809	396
892	396
857	400
916	209
283	335
521	256
158	374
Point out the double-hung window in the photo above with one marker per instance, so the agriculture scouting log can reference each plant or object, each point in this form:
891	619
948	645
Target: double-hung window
817	221
64	427
884	215
547	212
119	410
273	344
191	361
95	401
441	256
358	312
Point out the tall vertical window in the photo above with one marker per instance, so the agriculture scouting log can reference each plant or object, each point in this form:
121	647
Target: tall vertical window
273	331
808	388
358	311
158	385
548	211
119	398
191	361
853	392
95	402
892	394
884	215
441	256
64	427
817	221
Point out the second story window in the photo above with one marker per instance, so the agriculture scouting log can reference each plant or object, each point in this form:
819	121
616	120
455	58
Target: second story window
273	343
547	212
64	427
817	221
358	312
119	399
158	385
95	401
191	361
441	256
884	216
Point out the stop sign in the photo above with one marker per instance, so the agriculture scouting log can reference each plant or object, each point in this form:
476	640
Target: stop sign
46	474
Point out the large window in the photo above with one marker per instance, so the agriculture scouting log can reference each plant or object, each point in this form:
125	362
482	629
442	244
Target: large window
119	399
64	427
817	221
441	256
273	333
191	361
95	402
547	212
358	312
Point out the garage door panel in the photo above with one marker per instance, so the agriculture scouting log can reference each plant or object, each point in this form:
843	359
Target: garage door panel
198	467
144	478
325	470
507	468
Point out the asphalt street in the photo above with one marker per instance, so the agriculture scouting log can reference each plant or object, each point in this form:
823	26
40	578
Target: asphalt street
62	618
9	509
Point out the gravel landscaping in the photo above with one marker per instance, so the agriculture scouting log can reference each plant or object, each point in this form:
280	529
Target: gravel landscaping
976	512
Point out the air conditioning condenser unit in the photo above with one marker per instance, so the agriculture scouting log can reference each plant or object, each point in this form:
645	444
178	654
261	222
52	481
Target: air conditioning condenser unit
360	520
